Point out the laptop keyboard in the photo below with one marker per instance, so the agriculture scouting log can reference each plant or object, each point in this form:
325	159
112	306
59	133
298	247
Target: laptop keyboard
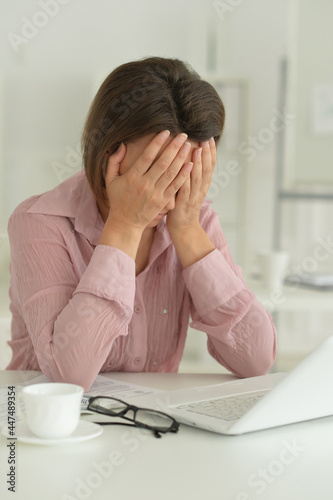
226	408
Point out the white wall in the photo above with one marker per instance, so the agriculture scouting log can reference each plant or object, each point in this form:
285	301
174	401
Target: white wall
252	41
314	45
49	82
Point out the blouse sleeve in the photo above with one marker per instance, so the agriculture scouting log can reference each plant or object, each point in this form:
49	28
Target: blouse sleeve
72	320
241	333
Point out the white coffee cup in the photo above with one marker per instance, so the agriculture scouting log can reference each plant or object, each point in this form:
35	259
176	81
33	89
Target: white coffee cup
52	411
273	266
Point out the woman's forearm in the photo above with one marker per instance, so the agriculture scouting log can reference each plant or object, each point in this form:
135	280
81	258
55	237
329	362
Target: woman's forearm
125	238
192	244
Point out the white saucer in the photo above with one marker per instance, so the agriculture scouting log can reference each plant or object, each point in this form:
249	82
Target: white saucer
83	432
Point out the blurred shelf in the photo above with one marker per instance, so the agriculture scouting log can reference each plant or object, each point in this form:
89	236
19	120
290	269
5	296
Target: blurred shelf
293	298
295	195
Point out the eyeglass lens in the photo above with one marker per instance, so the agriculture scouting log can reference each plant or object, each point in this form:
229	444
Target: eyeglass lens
149	418
108	405
153	419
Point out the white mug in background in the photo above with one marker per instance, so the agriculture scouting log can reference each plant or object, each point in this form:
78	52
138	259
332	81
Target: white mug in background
273	267
52	411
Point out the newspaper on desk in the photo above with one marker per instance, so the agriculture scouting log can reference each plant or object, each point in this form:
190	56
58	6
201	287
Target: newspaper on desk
105	386
102	386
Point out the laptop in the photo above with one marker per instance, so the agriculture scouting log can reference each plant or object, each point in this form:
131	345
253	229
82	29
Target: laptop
252	404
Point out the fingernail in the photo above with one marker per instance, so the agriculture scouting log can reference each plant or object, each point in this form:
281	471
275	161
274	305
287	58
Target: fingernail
199	151
187	146
182	138
165	134
212	140
188	167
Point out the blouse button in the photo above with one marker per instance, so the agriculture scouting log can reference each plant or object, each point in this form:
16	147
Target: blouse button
137	309
137	361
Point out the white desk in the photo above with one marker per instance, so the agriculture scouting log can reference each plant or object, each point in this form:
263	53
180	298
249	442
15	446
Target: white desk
293	462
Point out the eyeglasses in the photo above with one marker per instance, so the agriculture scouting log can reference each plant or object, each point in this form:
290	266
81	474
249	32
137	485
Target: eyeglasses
156	421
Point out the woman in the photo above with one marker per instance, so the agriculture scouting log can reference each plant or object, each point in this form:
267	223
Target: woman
107	268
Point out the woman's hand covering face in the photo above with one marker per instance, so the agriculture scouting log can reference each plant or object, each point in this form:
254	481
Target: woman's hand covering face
137	196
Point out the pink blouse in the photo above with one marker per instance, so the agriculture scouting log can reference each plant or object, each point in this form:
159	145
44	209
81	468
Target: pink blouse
78	309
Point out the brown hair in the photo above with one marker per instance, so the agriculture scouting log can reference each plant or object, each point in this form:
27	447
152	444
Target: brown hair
144	97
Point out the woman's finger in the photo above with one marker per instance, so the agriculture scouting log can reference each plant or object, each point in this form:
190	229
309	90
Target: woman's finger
113	163
196	174
184	191
212	146
147	161
164	177
207	169
170	161
147	158
176	185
